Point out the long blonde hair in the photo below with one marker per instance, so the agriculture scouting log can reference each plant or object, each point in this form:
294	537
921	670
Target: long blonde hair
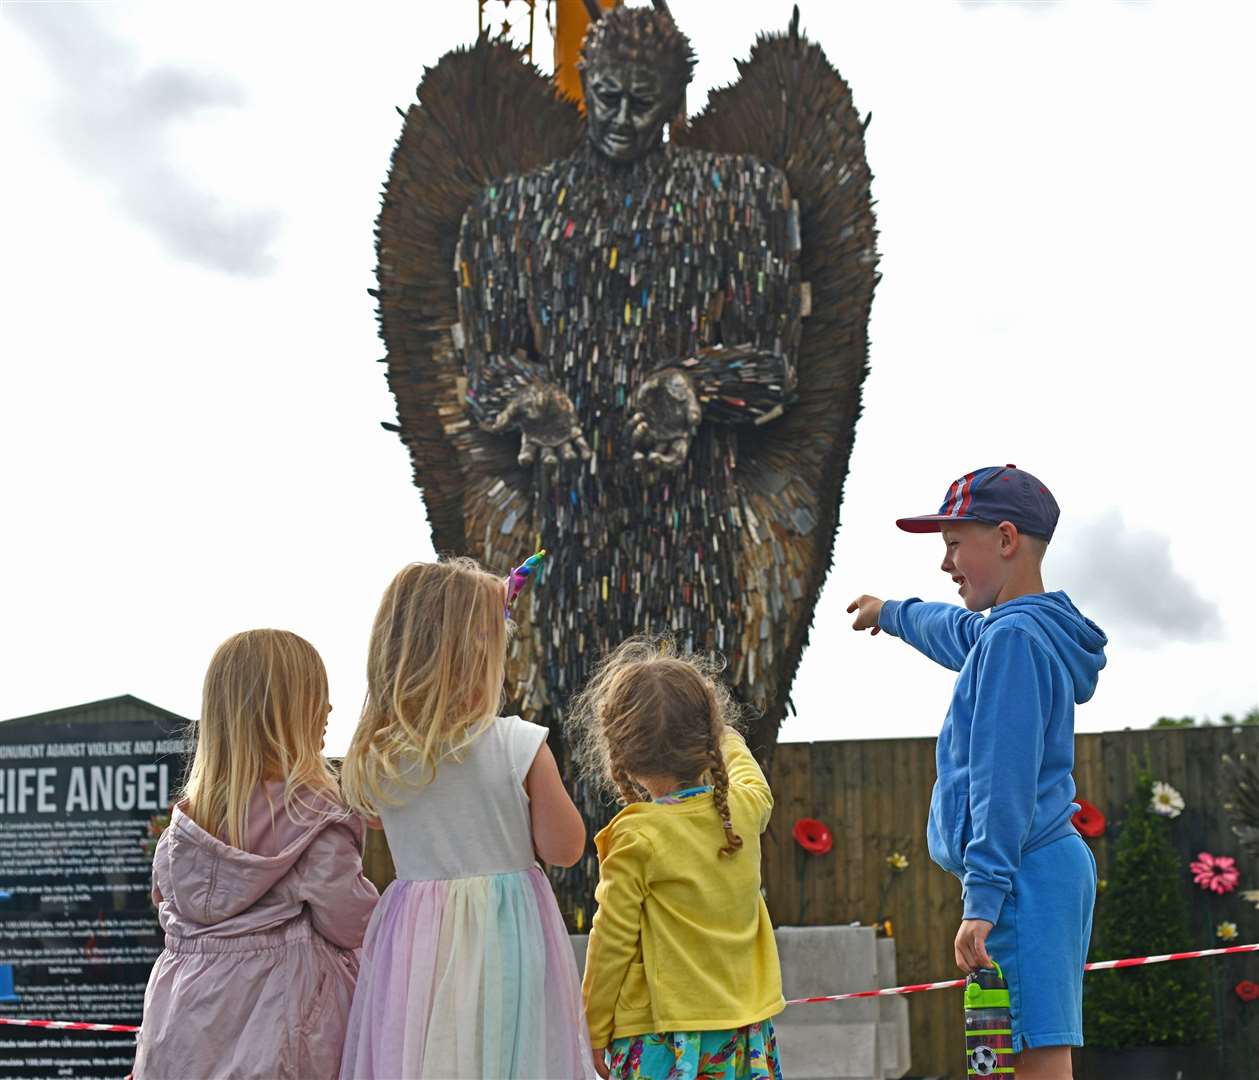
435	667
263	710
652	711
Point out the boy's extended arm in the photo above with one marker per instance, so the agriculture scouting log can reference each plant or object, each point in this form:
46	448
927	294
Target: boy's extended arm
1007	745
614	933
943	632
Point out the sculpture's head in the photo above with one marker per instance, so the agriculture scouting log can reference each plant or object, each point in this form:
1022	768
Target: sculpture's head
635	64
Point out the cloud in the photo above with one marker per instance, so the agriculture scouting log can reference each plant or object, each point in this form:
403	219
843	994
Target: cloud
1038	7
1125	578
114	120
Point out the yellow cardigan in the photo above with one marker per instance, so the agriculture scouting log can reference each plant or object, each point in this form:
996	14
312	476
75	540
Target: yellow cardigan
681	940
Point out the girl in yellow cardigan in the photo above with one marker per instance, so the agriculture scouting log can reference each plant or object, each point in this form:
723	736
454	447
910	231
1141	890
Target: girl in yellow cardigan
682	972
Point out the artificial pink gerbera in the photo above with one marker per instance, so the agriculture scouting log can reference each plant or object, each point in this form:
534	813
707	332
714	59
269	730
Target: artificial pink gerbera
1216	873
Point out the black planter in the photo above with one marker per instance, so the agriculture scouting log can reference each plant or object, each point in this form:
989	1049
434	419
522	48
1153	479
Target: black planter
1147	1063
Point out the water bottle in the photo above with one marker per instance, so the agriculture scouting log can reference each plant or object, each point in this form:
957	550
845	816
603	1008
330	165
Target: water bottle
989	1040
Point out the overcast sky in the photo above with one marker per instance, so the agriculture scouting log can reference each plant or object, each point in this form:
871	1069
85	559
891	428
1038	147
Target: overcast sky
189	414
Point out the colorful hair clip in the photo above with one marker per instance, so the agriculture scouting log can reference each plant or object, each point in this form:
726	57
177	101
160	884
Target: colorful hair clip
519	578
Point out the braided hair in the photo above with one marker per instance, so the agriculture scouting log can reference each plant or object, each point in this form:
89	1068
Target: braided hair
721	788
650	711
625	786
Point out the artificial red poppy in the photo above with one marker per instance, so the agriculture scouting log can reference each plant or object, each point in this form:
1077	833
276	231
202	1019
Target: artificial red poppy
1089	820
812	835
1247	990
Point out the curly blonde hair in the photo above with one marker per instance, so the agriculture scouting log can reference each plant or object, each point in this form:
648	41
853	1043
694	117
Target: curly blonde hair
651	711
435	668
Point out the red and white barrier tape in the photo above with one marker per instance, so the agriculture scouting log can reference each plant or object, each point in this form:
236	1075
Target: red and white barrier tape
1101	965
68	1025
891	991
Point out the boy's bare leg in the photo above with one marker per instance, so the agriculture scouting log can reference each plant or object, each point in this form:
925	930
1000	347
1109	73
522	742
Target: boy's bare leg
1044	1063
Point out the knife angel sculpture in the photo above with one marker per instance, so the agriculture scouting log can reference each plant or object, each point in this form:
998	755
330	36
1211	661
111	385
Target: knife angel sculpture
644	355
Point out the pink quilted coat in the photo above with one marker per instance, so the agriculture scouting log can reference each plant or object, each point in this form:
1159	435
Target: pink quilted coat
261	945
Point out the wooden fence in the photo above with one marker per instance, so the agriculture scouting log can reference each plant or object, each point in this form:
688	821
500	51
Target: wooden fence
874	795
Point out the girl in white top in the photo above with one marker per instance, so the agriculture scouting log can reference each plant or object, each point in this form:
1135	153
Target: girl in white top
467	969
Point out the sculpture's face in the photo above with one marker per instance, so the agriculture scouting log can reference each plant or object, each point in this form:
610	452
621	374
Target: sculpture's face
627	107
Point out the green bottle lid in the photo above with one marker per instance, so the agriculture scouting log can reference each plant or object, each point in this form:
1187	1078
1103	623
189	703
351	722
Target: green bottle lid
979	996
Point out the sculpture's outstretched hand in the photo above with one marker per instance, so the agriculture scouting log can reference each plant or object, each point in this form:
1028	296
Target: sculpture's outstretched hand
666	414
548	426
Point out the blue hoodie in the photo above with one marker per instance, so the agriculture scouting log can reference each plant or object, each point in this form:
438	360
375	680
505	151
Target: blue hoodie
1005	754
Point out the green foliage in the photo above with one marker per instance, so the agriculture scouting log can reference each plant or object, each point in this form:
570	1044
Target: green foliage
1144	911
1171	721
1250	719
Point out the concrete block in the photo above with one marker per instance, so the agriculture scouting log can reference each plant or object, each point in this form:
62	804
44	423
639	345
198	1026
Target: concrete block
846	1040
893	1016
894	1045
829	960
827	1051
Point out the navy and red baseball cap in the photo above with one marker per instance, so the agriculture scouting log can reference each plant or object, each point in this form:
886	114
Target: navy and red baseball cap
993	495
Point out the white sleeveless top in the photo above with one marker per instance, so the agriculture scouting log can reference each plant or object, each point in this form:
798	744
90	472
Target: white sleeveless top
472	818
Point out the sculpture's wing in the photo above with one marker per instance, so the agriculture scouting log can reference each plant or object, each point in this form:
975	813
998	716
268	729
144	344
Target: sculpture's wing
1242	800
791	109
482	113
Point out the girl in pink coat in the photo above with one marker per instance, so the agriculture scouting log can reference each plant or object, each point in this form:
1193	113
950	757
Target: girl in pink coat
258	882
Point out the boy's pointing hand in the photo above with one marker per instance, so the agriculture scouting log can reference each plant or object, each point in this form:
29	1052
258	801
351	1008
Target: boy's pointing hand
867	609
969	949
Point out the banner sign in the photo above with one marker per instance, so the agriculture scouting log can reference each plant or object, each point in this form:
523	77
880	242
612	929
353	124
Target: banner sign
84	793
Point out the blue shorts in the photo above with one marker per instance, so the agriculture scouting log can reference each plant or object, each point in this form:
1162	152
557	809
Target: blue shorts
1041	941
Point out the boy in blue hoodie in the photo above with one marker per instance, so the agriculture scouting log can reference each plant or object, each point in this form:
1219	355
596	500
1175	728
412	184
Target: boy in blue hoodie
1001	807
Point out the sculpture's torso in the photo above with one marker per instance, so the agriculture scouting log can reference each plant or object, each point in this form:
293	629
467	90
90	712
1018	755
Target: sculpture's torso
603	275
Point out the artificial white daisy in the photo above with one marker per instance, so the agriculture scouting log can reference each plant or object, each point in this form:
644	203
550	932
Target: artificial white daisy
1251	895
1226	931
1167	800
